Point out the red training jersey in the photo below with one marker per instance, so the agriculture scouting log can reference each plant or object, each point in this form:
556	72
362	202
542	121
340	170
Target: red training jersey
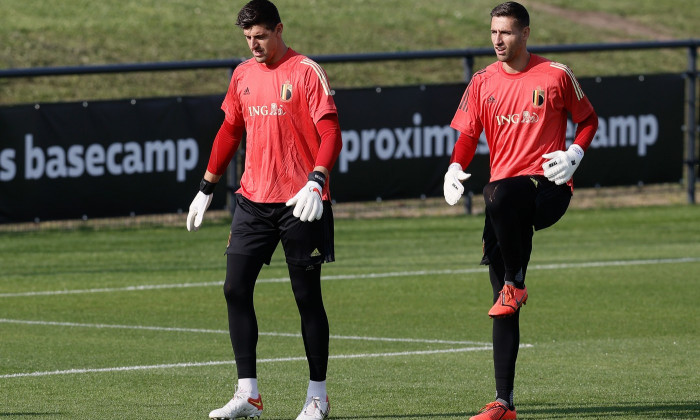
523	115
280	105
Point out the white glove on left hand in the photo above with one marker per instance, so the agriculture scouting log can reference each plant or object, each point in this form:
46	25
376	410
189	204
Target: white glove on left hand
560	166
307	203
453	188
199	205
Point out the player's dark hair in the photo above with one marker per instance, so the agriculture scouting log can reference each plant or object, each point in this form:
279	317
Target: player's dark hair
258	12
514	10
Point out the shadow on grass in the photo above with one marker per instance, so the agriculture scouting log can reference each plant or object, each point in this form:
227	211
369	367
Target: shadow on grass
29	414
403	416
689	410
387	416
632	410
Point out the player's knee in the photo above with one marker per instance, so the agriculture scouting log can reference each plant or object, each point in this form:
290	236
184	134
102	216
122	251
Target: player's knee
236	293
306	284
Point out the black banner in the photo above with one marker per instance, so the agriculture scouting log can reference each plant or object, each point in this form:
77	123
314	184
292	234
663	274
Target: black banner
397	141
146	156
107	158
640	131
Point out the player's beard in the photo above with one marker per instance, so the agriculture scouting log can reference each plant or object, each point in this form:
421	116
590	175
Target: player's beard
511	53
506	55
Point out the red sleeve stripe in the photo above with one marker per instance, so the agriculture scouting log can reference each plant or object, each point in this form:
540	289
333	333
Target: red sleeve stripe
577	87
320	73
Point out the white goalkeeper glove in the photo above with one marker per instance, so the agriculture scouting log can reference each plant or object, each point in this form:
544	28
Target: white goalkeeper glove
307	202
200	204
453	188
560	166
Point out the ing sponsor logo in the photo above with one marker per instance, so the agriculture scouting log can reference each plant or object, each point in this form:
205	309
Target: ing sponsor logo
265	110
525	117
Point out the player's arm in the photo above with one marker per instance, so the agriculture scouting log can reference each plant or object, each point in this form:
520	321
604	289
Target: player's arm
226	142
328	129
560	165
464	150
308	205
462	155
585	131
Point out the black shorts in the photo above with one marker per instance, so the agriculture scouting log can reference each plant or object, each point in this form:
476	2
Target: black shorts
540	203
257	228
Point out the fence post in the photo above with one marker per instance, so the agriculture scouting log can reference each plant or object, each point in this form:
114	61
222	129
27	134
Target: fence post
468	203
692	160
468	68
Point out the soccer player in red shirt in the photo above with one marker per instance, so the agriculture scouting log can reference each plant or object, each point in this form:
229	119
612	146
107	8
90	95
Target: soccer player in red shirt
283	102
521	103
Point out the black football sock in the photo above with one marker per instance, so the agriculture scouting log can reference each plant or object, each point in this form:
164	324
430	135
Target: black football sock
306	285
517	280
506	340
241	273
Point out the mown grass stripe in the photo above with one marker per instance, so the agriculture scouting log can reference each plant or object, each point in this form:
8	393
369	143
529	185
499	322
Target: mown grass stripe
561	266
233	362
210	331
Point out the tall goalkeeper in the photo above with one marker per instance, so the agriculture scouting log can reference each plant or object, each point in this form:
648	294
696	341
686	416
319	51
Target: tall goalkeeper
283	102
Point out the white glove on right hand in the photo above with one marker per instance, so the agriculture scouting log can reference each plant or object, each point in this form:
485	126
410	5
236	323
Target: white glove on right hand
560	166
199	205
453	188
307	202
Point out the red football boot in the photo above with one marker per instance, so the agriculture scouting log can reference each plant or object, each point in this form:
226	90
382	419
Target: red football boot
495	411
510	299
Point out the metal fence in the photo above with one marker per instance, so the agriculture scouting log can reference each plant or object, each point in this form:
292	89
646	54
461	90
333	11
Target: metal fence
467	55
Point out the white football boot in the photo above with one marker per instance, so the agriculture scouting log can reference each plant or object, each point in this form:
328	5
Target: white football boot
315	409
242	405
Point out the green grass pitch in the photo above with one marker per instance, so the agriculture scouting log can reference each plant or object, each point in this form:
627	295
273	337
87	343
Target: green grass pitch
131	323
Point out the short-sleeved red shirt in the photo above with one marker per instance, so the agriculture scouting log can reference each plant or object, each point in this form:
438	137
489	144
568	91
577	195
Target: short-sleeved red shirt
523	115
279	105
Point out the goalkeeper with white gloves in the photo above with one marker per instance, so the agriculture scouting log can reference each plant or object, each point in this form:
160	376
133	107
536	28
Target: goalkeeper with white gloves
520	103
282	101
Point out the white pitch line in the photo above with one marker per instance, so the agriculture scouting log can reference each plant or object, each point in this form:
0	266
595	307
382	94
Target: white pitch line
209	331
113	289
232	362
360	276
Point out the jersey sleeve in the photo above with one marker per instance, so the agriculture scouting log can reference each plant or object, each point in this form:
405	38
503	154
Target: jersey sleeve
225	145
576	102
466	119
231	104
464	150
585	131
318	91
328	129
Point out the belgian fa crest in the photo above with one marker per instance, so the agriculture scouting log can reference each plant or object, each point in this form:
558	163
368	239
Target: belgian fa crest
538	97
286	93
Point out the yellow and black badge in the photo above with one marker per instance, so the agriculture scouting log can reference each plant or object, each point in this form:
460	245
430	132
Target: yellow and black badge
538	97
286	93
